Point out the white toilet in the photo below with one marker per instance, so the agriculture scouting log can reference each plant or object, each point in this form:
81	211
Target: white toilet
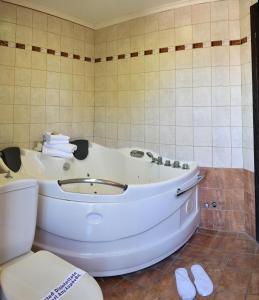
25	275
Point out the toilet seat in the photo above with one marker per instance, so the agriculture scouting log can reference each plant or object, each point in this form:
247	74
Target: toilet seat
33	277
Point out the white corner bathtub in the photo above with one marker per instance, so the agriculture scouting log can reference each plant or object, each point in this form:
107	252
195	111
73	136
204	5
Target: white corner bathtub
140	214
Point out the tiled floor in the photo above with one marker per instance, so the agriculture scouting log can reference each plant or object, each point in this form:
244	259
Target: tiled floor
232	261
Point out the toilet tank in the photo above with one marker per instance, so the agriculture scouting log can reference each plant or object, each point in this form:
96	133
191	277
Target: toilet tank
18	213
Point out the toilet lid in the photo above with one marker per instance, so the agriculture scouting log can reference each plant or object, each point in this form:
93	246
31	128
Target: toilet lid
36	276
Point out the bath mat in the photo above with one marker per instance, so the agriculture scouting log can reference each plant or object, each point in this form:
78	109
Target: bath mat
202	281
82	149
184	285
12	158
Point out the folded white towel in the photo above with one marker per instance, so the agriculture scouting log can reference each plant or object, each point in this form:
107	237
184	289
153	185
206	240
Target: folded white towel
57	153
55	137
202	281
184	286
58	142
68	148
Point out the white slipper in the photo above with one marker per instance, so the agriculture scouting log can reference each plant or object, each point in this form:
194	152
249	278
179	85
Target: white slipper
202	281
185	287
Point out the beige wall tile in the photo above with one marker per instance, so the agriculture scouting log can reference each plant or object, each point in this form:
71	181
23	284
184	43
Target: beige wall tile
38	114
52	97
79	67
166	20
7	56
6	94
219	11
6	75
54	24
201	13
53	41
21	133
66	65
39	21
183	16
183	35
22	77
66	114
7	31
66	81
6	113
7	12
39	38
22	95
52	114
6	133
67	28
38	96
53	63
38	60
66	44
66	98
24	34
39	78
78	82
53	80
23	58
21	114
78	47
151	40
24	16
183	59
201	33
219	30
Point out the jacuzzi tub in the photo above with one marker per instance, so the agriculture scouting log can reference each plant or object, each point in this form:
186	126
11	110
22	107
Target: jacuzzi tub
141	213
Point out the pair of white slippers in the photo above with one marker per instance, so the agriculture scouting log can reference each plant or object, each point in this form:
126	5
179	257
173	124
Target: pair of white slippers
185	286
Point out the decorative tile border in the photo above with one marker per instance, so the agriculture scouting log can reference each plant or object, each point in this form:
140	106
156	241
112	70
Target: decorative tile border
162	50
44	50
176	48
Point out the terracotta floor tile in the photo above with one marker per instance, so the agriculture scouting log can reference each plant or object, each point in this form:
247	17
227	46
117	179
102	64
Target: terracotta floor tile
239	246
229	295
165	289
252	297
204	240
229	258
254	283
234	281
145	278
244	262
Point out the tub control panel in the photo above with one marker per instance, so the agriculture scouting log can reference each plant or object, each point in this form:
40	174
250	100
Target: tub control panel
137	153
159	160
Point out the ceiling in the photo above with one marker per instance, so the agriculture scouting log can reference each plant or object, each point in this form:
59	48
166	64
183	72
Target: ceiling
100	13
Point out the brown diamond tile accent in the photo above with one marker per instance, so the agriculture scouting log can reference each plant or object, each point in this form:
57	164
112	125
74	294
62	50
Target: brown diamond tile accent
88	59
244	40
76	56
20	46
36	48
235	42
97	60
180	48
3	43
109	58
148	52
64	54
163	50
134	54
51	51
121	56
197	45
216	43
